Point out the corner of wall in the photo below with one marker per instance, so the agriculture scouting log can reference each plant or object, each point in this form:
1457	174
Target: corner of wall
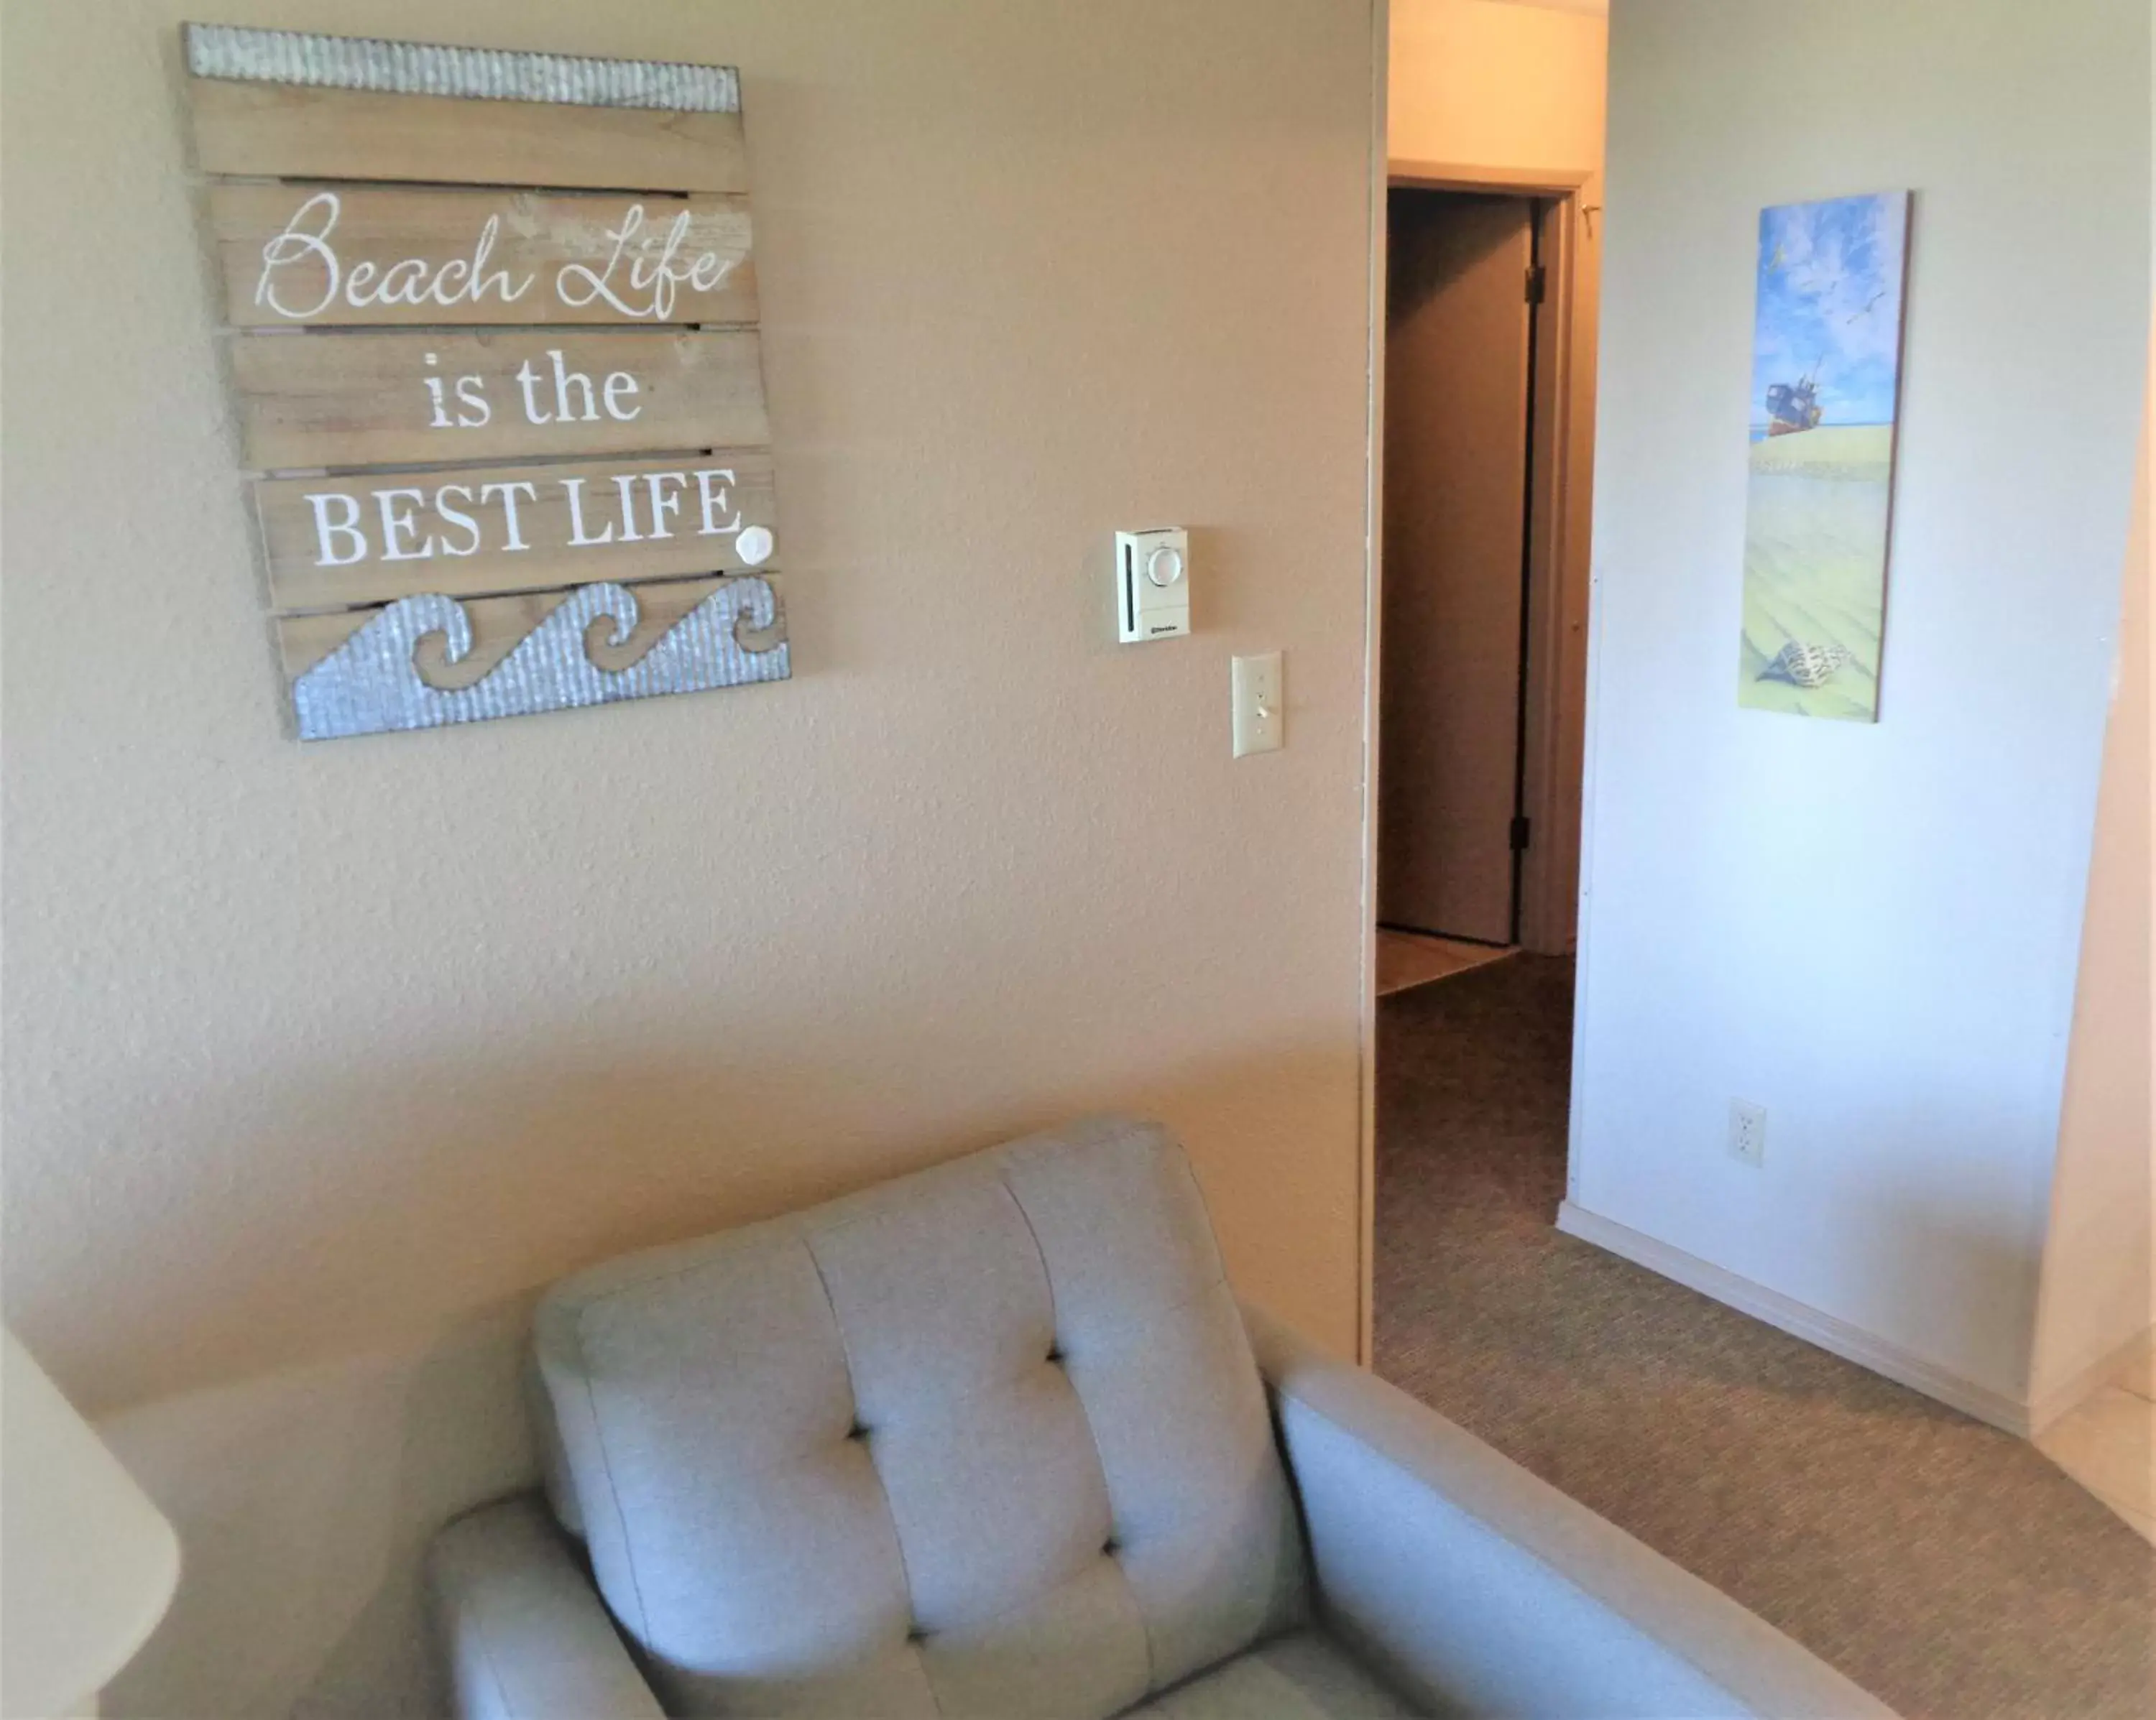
2097	1292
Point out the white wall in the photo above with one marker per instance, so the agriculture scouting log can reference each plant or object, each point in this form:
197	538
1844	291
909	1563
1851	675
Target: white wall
318	1058
1869	930
2098	1292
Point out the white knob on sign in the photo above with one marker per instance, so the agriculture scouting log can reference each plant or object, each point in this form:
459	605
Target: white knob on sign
1164	566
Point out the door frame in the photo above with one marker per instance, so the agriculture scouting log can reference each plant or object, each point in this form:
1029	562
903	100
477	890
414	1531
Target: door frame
1552	691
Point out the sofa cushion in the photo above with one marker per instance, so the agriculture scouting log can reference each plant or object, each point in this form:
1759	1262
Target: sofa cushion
1303	1676
986	1440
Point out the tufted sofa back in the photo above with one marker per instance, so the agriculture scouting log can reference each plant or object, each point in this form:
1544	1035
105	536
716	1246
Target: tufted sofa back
987	1439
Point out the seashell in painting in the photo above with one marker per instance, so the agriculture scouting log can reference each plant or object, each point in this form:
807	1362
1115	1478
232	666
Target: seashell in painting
1806	665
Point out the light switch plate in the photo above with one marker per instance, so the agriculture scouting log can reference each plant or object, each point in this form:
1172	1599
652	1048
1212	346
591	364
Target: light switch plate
1261	724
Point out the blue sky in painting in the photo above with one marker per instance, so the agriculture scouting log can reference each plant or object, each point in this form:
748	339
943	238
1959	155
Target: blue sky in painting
1831	297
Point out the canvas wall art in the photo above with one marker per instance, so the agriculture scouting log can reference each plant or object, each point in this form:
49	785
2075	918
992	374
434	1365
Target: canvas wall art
1827	361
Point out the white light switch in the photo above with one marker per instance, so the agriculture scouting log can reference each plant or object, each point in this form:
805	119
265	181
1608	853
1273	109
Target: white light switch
1259	722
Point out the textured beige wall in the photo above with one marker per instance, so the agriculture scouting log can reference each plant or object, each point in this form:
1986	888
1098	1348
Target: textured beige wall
2098	1292
319	1056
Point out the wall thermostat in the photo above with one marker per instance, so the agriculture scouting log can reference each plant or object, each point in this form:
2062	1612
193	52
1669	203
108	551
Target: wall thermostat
1152	583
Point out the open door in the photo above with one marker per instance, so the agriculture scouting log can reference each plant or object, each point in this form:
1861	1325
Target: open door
1459	380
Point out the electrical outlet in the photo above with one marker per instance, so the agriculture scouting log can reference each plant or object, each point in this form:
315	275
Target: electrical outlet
1747	1132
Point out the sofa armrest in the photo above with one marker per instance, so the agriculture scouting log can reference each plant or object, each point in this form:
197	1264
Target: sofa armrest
1478	1589
528	1636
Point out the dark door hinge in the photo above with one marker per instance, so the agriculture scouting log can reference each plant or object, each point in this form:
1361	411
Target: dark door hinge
1538	278
1521	829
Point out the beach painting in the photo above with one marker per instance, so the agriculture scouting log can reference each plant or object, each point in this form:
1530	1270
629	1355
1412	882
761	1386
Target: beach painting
1827	361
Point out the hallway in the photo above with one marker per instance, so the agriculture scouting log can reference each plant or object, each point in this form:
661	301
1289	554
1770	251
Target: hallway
1946	1566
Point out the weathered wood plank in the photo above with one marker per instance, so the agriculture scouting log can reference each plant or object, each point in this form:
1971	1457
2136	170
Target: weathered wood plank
310	400
429	660
314	255
289	130
328	539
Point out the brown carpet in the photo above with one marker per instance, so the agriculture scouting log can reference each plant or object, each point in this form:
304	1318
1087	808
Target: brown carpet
1946	1567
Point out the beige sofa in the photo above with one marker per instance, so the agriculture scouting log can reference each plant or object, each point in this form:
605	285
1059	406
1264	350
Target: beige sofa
996	1439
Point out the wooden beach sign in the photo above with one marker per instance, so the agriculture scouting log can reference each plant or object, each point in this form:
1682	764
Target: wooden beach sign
504	417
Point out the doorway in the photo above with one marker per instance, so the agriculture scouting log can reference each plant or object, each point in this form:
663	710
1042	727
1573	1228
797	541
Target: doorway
1478	706
1466	302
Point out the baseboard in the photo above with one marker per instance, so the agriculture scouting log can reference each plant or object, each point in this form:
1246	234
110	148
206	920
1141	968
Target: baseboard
2048	1406
1852	1344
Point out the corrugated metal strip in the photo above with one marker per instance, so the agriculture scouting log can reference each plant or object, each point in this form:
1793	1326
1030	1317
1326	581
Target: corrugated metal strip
480	74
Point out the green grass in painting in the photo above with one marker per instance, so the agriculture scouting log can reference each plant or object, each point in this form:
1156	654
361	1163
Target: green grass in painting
1816	566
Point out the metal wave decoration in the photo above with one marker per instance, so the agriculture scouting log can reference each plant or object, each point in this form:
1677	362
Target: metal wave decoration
370	683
